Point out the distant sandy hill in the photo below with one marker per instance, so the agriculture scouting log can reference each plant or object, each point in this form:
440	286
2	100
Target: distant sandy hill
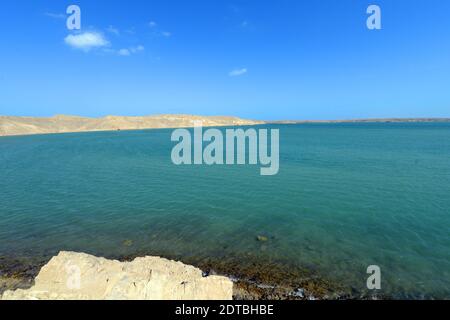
10	126
380	120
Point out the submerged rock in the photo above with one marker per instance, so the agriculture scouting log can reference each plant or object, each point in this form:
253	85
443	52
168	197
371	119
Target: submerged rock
128	243
262	238
78	276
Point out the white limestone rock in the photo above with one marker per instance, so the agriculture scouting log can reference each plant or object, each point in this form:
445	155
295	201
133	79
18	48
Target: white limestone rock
79	276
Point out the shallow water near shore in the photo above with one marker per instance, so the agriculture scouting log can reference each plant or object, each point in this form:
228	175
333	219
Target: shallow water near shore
347	196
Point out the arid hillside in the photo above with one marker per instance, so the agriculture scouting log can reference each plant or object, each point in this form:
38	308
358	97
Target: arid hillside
10	126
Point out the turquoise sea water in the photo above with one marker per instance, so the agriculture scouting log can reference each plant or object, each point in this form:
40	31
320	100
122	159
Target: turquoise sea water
347	196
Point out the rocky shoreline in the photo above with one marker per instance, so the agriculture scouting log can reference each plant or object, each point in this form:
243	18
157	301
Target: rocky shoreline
251	280
79	276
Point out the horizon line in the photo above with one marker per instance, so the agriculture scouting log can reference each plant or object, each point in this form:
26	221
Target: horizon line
282	121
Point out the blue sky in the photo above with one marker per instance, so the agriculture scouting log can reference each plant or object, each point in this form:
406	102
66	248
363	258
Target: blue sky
255	59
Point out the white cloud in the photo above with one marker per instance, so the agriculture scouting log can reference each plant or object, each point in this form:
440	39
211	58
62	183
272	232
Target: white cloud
137	49
237	72
157	31
129	51
124	52
86	41
113	30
